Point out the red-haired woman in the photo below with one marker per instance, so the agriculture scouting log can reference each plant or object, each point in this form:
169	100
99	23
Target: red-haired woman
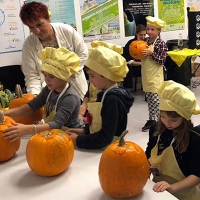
45	34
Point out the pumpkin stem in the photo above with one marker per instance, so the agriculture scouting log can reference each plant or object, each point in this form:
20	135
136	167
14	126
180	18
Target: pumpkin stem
18	91
2	117
121	138
46	135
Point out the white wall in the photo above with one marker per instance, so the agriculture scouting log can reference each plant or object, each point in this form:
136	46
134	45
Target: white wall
15	58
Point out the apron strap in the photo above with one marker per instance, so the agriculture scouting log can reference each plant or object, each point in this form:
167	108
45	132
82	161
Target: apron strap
65	88
113	86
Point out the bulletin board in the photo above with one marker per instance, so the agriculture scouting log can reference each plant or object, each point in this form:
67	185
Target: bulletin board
11	27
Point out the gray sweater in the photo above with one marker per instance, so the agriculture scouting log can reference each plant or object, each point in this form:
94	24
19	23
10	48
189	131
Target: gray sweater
67	111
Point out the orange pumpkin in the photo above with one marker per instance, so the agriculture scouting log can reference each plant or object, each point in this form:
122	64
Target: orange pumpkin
7	149
123	169
136	48
50	153
22	99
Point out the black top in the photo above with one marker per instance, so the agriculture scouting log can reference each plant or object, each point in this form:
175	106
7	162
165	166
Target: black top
189	162
114	113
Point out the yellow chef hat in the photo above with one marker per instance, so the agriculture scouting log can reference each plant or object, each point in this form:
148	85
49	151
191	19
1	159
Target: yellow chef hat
176	97
158	23
108	63
114	47
50	14
60	62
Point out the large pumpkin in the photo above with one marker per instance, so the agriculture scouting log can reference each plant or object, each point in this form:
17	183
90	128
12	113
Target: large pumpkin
136	48
123	169
22	99
50	153
7	149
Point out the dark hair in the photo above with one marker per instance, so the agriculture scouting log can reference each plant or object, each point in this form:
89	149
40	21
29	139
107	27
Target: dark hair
140	28
85	68
33	11
181	133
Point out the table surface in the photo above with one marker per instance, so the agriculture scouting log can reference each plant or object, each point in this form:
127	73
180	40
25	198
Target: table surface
79	182
179	56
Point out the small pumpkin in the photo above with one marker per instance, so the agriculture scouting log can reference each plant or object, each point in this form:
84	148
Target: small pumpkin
136	48
123	169
50	153
22	99
7	149
6	97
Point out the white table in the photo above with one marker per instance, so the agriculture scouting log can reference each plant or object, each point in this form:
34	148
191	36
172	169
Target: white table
79	182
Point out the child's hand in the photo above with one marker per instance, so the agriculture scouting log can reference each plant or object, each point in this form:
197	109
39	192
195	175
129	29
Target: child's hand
147	52
73	136
161	186
16	132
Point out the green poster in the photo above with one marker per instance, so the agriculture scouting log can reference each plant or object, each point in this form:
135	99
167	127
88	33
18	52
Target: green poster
172	12
99	15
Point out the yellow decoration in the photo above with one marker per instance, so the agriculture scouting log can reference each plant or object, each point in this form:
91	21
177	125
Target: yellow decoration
179	56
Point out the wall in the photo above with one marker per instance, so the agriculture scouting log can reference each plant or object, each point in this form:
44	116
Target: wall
15	58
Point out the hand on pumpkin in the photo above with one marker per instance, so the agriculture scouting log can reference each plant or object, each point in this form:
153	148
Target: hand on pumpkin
161	186
147	52
73	136
74	133
17	131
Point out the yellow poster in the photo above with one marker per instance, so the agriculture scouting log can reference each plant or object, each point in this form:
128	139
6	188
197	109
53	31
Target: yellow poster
172	12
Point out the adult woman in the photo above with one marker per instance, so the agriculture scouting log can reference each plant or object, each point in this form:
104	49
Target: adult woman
133	65
45	34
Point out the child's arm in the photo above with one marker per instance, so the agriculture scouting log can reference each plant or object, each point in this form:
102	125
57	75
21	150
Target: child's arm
187	183
19	111
19	130
160	52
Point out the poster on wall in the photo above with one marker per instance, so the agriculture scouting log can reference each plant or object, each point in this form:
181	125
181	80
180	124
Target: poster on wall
11	28
135	12
62	11
100	19
194	5
172	12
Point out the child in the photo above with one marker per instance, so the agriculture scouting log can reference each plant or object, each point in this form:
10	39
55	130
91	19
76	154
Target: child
61	102
174	145
152	67
91	95
105	68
